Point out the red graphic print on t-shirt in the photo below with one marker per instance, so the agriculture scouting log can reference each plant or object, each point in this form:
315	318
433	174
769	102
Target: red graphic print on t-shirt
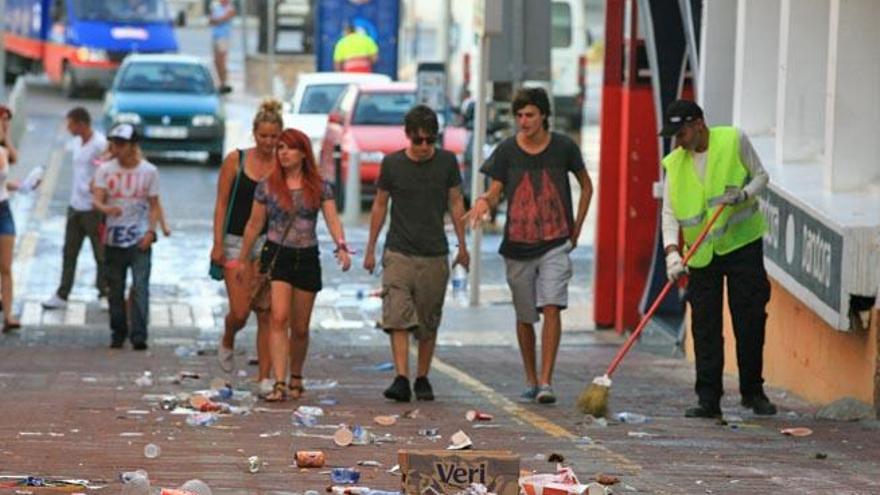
536	218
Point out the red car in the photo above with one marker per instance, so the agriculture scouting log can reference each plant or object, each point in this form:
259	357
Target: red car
368	119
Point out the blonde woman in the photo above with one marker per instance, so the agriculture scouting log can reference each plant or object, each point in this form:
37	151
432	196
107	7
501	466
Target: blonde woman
240	173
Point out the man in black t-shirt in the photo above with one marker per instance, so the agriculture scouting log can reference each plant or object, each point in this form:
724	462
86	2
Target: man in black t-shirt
423	183
531	170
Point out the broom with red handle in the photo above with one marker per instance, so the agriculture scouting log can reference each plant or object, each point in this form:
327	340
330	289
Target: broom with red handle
594	399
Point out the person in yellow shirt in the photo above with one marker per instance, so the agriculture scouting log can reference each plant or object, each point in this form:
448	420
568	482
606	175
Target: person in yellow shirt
355	52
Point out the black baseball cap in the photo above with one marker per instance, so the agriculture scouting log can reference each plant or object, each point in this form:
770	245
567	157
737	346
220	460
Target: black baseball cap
679	113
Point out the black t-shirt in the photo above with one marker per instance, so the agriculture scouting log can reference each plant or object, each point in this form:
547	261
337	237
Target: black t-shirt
419	200
539	210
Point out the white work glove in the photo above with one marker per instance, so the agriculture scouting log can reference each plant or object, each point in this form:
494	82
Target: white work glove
674	266
733	195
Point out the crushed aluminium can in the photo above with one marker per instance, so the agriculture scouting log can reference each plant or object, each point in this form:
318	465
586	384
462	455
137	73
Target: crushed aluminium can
309	458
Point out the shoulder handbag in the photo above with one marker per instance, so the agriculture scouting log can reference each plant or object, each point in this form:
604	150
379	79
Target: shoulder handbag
261	298
216	271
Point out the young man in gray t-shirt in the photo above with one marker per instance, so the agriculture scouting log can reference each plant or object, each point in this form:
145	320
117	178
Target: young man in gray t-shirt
423	183
531	169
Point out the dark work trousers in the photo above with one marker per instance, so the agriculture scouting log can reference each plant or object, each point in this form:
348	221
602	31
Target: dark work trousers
80	225
748	291
119	260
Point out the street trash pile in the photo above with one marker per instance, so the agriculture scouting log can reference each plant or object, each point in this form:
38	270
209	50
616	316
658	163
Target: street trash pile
430	462
564	482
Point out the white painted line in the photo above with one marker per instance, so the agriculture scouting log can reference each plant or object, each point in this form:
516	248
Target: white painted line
53	317
75	313
31	313
204	315
181	316
159	316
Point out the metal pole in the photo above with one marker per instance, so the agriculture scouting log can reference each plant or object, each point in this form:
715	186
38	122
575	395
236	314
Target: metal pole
243	15
270	43
477	161
352	211
443	41
3	50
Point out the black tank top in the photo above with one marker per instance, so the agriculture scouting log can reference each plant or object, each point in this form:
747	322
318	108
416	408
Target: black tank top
242	202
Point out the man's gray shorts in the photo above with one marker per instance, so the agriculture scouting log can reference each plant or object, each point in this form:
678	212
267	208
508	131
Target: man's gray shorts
539	282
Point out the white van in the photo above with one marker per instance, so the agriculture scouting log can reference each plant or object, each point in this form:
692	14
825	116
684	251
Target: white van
568	61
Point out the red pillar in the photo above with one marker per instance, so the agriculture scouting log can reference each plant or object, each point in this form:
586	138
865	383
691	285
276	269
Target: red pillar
604	285
637	207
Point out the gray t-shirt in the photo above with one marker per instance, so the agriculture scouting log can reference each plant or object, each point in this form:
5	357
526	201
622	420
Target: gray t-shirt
419	199
538	192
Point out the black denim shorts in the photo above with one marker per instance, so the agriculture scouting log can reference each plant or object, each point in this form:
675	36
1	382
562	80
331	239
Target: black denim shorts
299	267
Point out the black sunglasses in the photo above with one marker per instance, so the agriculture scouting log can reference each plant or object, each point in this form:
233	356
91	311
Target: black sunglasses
423	140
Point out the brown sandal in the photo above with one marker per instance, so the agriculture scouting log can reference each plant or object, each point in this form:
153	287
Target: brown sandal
296	391
278	393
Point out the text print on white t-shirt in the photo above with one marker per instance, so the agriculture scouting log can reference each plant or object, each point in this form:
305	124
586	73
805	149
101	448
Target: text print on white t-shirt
130	190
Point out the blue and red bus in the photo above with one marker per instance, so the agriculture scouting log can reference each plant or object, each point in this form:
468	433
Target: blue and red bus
80	43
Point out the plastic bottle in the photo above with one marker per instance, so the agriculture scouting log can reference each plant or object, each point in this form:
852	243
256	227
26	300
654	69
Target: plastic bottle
299	419
202	419
632	418
459	285
310	410
32	180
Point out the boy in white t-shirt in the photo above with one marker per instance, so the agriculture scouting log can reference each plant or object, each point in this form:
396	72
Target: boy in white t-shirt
83	219
127	192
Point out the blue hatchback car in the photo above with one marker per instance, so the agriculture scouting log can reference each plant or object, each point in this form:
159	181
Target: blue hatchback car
174	102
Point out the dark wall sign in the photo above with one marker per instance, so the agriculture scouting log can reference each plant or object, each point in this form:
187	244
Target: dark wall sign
804	248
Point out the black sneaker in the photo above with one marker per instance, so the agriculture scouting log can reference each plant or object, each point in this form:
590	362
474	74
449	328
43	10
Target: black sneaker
760	404
703	411
117	344
422	388
139	346
399	390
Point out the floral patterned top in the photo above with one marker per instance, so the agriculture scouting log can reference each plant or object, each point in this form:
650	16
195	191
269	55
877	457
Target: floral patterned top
302	233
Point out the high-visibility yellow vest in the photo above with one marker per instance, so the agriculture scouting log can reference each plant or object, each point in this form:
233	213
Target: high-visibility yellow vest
355	51
694	201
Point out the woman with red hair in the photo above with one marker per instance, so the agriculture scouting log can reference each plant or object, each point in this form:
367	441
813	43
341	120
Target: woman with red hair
290	198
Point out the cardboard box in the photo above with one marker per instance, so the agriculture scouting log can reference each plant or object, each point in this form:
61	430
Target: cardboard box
448	471
564	482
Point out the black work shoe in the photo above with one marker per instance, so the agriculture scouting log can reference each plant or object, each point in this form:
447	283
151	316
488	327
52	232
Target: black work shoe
703	411
760	404
422	388
399	390
117	344
139	346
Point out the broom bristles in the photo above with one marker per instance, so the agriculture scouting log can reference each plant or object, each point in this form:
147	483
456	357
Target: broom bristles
594	399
